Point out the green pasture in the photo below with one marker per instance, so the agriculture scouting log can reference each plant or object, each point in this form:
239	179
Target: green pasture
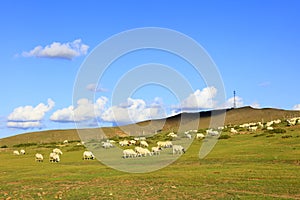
251	166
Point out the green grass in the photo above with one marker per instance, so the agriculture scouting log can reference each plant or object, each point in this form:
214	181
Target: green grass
240	167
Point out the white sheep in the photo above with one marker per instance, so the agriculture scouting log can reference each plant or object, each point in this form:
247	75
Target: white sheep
88	155
57	151
142	151
212	132
124	143
129	153
66	142
132	142
16	152
144	143
232	130
156	150
54	157
277	121
107	145
22	152
200	136
291	122
164	144
173	135
244	125
178	149
189	136
269	123
253	128
270	128
39	157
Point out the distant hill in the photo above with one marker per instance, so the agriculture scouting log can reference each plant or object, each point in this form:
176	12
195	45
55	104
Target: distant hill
186	121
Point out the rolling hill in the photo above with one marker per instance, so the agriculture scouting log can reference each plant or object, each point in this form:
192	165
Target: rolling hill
183	121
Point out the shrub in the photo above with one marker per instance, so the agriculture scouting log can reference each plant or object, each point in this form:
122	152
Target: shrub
270	135
279	130
276	130
224	137
4	146
258	135
25	145
286	136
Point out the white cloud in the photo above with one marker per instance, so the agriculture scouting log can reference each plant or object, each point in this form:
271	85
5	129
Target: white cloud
134	110
67	50
200	99
24	125
85	110
29	113
296	107
230	102
29	116
255	105
95	88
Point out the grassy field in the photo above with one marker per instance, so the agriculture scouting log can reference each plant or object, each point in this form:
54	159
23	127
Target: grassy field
250	166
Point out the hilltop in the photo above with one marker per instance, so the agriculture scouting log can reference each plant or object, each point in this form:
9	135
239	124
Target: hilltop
199	120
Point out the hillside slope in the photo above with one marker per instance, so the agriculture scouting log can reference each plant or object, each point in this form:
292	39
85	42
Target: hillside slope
185	120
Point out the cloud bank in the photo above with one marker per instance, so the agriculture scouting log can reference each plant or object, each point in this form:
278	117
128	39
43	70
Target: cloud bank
28	116
134	110
85	110
200	99
95	88
67	50
296	107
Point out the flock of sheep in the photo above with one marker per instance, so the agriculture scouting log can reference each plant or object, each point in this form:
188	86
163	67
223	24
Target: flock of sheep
254	126
140	145
54	156
142	149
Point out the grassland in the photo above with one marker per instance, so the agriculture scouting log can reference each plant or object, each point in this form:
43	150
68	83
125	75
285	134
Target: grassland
250	166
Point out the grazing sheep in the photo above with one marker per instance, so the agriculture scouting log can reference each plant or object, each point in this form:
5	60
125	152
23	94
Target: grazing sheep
22	152
269	123
173	135
212	132
142	151
39	157
54	157
16	152
124	143
200	136
270	128
144	143
88	155
107	145
253	128
129	153
189	136
232	130
178	149
156	150
291	122
66	142
57	151
260	124
164	144
244	126
132	142
277	121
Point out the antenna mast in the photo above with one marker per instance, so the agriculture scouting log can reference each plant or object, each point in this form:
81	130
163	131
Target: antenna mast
234	103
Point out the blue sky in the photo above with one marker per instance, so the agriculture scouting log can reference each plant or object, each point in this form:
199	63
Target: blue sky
254	44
